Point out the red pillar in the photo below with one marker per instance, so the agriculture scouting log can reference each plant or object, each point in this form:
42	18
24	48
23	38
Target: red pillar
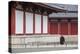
33	23
48	26
41	24
24	21
12	21
69	28
59	27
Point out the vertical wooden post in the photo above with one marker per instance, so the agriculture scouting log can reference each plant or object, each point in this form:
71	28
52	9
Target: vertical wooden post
41	24
59	28
48	26
69	28
13	20
33	23
24	21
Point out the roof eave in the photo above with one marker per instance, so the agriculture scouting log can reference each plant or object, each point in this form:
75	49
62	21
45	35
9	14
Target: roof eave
54	9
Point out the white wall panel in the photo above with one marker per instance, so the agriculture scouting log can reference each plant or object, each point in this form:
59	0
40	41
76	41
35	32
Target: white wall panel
29	22
45	24
19	22
37	23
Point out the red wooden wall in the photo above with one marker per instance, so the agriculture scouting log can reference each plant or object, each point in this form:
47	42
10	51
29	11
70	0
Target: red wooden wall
74	28
53	28
64	29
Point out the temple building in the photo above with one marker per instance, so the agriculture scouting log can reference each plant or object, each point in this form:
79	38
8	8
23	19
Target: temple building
40	26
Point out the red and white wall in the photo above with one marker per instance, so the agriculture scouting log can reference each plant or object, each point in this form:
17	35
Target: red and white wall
32	23
28	23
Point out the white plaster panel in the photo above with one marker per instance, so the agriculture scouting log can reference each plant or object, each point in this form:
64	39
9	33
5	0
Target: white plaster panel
29	22
45	24
37	23
19	22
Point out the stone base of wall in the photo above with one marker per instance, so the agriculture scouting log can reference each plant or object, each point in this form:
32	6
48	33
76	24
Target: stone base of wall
25	43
